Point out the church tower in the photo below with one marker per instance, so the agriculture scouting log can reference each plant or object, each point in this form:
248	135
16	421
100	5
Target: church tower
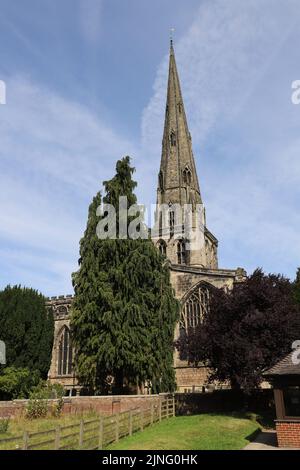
180	231
178	191
193	263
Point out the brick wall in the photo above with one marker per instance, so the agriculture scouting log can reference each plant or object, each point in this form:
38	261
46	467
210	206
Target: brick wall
288	433
104	405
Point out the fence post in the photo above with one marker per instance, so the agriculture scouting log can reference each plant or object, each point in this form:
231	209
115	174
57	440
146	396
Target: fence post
142	420
130	422
167	407
117	426
170	407
159	411
152	413
25	440
174	413
81	431
100	443
57	438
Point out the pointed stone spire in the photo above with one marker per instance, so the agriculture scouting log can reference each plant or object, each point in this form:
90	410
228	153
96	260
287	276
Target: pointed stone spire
178	181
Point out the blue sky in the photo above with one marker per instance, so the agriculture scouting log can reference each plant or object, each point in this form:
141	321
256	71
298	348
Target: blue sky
86	85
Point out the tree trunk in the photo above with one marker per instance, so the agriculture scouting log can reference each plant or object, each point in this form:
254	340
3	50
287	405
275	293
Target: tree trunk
234	384
119	378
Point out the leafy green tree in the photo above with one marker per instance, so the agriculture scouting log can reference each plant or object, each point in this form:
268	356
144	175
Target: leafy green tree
26	327
124	311
17	383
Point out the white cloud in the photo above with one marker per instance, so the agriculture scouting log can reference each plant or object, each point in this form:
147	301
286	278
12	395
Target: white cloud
58	137
54	155
45	273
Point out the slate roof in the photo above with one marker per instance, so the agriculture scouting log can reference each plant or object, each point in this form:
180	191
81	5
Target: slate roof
285	366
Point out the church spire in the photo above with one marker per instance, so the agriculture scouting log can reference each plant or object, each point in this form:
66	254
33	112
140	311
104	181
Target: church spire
178	181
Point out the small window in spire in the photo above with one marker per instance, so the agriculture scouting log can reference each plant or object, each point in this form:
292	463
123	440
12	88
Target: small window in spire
173	138
187	176
160	222
179	108
171	222
161	181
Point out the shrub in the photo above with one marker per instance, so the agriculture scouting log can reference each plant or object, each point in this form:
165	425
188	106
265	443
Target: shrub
38	403
37	408
4	424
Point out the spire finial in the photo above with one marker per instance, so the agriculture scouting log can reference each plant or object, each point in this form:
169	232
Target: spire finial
171	36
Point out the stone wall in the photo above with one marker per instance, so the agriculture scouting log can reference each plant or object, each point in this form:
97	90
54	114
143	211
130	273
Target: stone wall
185	278
103	405
191	379
288	433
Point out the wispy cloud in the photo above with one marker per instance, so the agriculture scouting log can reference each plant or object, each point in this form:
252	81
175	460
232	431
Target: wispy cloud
55	153
60	138
54	156
221	58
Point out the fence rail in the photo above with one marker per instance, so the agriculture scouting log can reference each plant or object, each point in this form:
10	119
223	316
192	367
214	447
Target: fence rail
93	434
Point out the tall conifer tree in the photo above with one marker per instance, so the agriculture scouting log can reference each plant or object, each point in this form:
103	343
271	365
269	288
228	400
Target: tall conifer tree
124	311
27	328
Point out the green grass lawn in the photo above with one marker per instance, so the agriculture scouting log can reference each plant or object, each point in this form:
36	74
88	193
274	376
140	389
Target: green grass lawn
199	432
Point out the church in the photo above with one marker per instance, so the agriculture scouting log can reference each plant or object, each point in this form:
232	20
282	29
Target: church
192	271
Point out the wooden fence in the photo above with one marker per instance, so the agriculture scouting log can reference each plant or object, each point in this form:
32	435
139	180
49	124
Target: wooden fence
95	433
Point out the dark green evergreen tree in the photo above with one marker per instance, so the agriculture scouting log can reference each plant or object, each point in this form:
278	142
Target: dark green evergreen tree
26	327
124	311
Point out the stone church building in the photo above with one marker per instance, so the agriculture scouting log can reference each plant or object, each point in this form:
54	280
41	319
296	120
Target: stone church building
193	266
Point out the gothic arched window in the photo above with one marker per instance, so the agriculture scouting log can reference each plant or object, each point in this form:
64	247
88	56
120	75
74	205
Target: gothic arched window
171	222
64	366
181	252
173	138
187	176
162	247
195	307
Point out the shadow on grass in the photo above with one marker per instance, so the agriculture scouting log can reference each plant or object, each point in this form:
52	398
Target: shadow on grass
254	435
268	438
